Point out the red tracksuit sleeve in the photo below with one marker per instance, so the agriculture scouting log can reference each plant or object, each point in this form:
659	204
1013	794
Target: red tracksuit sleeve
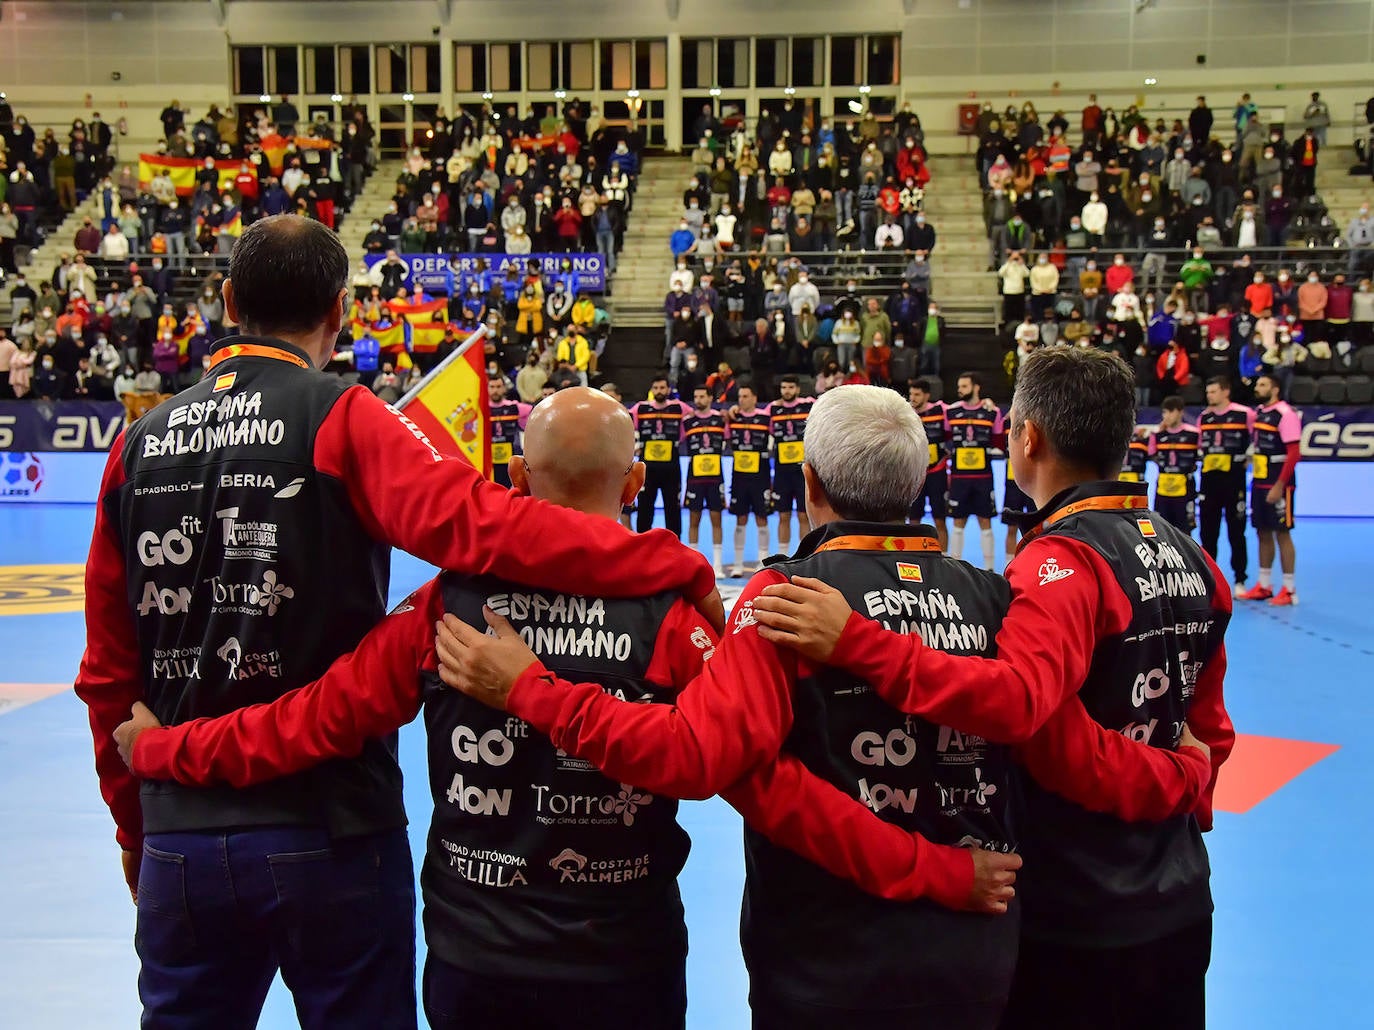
1007	698
796	809
1293	455
727	720
442	510
366	694
1207	716
109	681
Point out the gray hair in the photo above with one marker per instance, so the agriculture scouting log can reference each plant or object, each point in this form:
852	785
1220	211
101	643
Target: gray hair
868	448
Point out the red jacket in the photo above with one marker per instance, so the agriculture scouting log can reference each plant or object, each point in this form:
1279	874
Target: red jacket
911	164
1180	369
1116	277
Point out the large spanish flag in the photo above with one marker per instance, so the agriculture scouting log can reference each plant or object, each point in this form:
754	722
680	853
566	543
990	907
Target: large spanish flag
452	407
182	171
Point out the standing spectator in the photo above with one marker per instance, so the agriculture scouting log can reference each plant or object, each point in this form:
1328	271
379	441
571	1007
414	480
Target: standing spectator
1359	235
1044	284
1092	121
1200	123
1014	276
1245	112
114	245
1304	158
1317	117
1312	300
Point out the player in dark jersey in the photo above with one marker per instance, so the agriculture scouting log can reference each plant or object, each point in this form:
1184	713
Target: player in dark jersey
1015	503
659	425
787	423
1278	447
749	479
974	427
1175	447
1226	429
703	438
936	485
507	421
1137	457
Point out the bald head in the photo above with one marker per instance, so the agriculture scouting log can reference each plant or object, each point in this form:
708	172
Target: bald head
578	445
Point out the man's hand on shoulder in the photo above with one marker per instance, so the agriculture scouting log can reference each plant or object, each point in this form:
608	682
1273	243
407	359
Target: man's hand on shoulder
804	614
483	667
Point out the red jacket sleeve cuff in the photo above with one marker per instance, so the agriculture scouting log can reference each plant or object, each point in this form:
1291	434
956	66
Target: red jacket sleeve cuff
861	651
947	873
535	697
154	753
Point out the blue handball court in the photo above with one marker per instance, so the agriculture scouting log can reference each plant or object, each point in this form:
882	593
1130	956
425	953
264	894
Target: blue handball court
1293	912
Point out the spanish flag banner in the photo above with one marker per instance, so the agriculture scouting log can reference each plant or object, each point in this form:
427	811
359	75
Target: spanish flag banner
274	148
425	337
182	171
451	406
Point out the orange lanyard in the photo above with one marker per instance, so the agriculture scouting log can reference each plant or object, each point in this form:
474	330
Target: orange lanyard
1126	502
880	543
256	350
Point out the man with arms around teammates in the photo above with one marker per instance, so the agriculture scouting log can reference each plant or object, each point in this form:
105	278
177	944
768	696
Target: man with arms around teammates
1278	449
241	544
1111	610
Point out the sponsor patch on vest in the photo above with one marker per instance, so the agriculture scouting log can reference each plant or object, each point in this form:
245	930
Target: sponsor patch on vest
908	573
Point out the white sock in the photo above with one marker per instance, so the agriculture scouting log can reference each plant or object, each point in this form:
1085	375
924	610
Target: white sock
1266	578
956	542
765	546
989	548
716	550
739	545
1288	579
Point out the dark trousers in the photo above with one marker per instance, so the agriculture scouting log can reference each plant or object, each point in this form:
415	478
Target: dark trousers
1159	985
219	914
785	1014
459	1000
665	478
1223	493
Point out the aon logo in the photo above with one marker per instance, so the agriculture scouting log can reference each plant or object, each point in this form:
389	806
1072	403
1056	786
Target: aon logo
475	800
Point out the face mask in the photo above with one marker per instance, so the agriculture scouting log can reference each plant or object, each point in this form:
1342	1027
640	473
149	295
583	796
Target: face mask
1312	279
1119	261
1197	254
1259	279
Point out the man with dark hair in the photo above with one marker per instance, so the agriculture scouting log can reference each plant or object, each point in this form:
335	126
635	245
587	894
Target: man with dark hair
241	544
1224	430
750	491
1278	449
1175	446
703	438
1111	609
935	489
973	428
787	417
658	423
507	421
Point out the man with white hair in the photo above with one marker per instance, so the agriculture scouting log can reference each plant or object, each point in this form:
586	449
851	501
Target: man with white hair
819	952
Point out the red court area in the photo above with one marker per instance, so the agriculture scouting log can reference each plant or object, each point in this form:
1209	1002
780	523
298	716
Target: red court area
1261	766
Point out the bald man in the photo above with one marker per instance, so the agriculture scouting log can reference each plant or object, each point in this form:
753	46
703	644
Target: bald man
550	892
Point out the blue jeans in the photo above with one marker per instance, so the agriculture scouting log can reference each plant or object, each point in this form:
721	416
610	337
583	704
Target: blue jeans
220	913
456	999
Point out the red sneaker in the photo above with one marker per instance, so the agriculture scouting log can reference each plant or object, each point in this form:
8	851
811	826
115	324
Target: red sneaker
1255	593
1284	598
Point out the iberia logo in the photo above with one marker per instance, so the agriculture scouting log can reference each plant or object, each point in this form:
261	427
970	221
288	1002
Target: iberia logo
1147	528
224	382
908	573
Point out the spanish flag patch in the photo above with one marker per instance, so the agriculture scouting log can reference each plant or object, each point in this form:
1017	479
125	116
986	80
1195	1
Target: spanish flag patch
223	382
1147	528
908	573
